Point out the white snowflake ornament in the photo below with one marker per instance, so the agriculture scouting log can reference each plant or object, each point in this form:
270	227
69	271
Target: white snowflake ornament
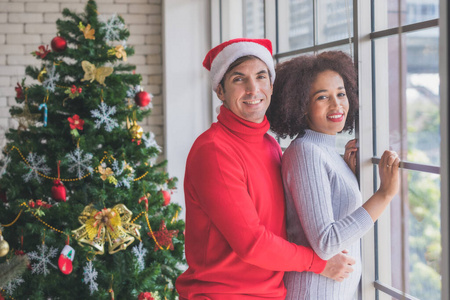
5	165
103	116
53	77
149	141
90	277
36	164
112	28
126	180
43	259
12	285
80	163
139	253
133	90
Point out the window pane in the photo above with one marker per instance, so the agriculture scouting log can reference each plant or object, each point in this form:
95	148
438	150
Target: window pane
407	107
413	11
416	249
414	123
295	24
347	48
253	19
334	20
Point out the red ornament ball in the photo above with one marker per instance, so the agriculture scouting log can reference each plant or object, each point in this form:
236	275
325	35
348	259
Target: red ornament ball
145	296
166	196
58	191
142	99
59	44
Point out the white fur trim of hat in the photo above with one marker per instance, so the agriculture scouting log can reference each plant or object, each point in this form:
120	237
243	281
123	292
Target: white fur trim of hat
222	56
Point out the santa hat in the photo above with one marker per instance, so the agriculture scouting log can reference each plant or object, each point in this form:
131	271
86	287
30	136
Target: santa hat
222	56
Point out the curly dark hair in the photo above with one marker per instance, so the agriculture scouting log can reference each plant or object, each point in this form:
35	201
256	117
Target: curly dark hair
287	113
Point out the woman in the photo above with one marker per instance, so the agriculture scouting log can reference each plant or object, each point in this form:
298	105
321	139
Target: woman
314	98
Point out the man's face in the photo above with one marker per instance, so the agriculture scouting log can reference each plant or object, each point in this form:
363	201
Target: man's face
247	90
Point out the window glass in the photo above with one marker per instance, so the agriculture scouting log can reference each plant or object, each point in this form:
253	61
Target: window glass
415	248
347	48
407	90
334	20
414	122
295	24
253	11
413	11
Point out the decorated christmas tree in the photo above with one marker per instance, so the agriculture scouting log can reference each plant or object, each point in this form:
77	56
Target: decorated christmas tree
84	196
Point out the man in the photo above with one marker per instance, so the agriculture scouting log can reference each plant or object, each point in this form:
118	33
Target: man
236	244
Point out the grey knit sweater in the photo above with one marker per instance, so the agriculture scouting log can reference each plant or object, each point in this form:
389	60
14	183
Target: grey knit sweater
324	212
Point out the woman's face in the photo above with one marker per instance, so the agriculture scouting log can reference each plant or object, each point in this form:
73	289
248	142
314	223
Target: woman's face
328	105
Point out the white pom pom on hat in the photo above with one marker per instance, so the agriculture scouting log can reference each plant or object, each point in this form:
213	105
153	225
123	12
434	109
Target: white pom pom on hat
222	56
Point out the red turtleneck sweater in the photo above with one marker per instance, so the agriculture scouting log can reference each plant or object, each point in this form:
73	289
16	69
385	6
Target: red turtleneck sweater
236	244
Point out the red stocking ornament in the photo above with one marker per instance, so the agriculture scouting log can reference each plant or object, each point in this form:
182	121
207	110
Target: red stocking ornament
65	259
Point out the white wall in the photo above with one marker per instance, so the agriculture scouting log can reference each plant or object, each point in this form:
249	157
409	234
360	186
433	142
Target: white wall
187	105
27	24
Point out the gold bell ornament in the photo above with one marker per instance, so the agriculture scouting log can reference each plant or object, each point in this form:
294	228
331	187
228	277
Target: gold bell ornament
136	131
112	225
4	246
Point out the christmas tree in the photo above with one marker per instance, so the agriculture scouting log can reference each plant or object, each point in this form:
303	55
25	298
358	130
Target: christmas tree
84	196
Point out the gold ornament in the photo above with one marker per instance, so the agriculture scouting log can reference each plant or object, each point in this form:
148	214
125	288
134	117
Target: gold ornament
92	73
4	246
40	77
110	224
136	131
26	118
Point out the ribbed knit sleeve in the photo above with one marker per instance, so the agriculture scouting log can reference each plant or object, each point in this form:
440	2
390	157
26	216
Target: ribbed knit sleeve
323	194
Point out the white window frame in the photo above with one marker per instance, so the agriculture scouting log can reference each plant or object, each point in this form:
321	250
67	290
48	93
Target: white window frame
444	59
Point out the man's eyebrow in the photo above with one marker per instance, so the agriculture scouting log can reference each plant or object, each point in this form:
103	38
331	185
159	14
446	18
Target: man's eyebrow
235	73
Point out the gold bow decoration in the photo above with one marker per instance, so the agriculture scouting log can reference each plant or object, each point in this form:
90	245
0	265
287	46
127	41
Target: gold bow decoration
109	224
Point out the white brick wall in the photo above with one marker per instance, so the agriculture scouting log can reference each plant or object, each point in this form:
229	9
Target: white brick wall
27	24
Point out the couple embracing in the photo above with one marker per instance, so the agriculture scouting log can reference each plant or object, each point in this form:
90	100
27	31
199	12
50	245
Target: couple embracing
265	225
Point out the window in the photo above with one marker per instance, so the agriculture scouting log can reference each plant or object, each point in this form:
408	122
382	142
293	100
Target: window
396	47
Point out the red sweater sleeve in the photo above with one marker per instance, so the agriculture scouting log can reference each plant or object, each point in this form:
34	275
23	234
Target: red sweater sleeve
218	181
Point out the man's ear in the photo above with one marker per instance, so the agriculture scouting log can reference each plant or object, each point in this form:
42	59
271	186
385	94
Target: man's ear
220	92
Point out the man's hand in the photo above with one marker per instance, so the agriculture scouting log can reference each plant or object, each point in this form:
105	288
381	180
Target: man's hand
339	267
